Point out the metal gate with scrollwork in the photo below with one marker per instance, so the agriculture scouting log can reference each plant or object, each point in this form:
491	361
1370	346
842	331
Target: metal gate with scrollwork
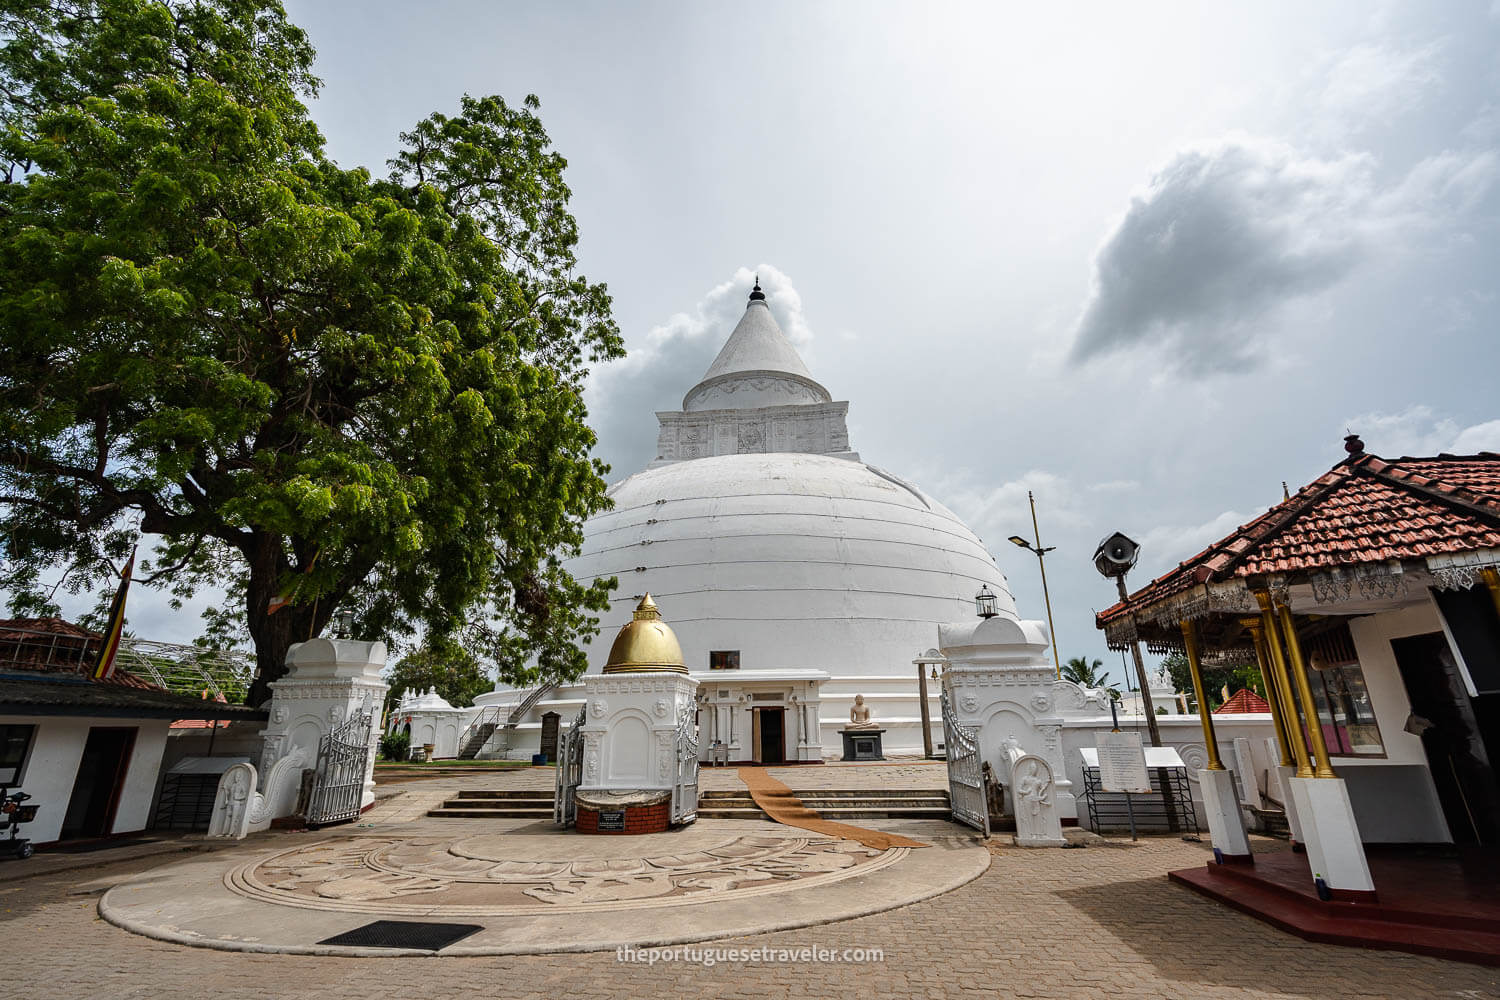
685	787
339	777
965	772
569	772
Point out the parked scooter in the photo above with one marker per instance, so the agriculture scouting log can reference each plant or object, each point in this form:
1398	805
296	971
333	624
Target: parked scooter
14	812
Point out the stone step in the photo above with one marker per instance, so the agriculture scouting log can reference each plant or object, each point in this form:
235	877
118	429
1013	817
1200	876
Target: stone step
720	812
505	793
887	812
839	793
506	812
927	801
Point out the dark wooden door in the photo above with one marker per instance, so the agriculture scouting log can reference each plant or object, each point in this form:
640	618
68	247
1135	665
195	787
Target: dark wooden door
772	735
1458	756
96	789
550	724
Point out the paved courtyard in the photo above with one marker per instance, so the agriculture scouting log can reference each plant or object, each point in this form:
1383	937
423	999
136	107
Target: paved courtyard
1052	923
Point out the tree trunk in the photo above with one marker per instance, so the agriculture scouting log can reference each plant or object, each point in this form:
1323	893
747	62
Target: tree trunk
275	634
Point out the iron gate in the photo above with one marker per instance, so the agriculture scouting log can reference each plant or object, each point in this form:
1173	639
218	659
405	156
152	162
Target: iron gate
339	778
965	772
569	773
685	787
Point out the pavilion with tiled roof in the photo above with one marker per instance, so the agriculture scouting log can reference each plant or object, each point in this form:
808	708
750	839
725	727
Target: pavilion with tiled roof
1370	599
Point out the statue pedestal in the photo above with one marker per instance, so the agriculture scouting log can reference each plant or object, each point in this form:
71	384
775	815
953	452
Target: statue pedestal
863	744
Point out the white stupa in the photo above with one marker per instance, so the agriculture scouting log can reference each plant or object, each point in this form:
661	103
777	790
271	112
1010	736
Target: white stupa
794	574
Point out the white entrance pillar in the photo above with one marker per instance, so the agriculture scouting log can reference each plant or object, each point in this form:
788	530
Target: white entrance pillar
1000	681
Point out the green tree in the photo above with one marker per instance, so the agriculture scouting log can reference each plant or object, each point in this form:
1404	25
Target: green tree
1215	678
456	674
1085	674
302	380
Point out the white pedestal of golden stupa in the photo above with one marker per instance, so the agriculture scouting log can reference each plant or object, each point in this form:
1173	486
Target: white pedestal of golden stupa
630	737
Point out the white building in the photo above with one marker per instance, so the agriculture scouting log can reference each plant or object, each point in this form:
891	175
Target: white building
794	574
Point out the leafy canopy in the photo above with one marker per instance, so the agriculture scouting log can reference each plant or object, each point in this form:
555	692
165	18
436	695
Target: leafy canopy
1085	674
456	674
301	379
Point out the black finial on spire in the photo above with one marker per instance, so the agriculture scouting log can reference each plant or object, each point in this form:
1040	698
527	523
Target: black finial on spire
756	295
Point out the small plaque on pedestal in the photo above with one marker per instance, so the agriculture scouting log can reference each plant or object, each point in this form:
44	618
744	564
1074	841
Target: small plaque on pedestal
863	744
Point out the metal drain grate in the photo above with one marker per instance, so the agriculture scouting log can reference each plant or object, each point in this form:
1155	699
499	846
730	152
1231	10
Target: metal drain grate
404	934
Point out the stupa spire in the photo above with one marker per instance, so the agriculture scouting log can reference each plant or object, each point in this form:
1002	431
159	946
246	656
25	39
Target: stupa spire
755	351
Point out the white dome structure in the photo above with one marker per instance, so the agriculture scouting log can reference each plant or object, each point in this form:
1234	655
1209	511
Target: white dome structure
794	575
793	560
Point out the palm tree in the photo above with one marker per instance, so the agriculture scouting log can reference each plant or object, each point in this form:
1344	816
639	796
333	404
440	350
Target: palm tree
1085	674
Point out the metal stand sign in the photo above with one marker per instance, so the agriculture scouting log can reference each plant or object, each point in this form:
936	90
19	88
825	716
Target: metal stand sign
1122	765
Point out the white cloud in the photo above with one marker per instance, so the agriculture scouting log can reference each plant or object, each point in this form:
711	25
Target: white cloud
1417	431
1374	83
1167	545
996	512
1480	437
1230	232
657	373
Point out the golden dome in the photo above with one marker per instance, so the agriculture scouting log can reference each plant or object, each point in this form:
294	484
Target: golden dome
645	644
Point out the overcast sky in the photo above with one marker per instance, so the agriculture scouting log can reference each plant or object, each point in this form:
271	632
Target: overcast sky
1146	260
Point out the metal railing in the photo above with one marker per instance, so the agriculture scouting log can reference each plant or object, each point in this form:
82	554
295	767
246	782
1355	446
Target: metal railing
182	669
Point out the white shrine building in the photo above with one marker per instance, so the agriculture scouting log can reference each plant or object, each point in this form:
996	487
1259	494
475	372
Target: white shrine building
794	574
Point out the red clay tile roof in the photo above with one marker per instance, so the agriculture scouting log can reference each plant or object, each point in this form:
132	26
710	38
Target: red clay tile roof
1364	510
1243	701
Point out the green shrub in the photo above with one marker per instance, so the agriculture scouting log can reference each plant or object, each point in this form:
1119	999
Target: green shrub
395	746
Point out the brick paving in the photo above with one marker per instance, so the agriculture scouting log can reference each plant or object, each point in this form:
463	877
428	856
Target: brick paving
1102	921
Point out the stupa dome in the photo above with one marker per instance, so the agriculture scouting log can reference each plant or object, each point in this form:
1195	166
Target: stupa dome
773	540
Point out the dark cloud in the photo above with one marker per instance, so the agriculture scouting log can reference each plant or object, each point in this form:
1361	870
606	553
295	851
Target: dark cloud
1223	236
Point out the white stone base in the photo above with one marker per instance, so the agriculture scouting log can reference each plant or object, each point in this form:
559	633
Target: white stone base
1221	806
630	738
1334	849
1286	772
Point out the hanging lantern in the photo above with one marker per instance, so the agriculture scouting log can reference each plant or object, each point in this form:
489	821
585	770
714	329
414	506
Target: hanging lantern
984	603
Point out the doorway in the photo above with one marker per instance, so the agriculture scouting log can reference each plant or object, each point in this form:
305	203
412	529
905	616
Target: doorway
1459	754
101	777
771	735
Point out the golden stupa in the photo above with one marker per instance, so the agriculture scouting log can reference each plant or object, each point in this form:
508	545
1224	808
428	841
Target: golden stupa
645	644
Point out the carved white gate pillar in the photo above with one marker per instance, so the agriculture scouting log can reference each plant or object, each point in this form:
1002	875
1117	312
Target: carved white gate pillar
1000	681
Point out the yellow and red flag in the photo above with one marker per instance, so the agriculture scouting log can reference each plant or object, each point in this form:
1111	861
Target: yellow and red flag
104	667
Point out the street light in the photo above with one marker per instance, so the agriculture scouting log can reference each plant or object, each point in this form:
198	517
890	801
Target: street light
1041	554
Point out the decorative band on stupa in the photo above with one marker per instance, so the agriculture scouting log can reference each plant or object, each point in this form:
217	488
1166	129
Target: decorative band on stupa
645	644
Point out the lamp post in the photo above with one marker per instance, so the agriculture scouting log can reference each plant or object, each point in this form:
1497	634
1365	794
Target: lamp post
1041	554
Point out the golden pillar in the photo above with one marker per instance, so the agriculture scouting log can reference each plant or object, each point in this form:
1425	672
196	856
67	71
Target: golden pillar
1278	711
1190	643
1294	731
1491	577
1322	767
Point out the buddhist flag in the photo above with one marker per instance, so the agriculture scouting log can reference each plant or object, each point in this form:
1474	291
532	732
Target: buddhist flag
280	601
104	667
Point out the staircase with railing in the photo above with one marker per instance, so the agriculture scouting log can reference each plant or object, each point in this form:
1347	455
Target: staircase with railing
482	730
527	704
474	738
